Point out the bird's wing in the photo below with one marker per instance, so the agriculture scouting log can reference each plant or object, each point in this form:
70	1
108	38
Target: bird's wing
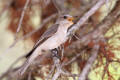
48	33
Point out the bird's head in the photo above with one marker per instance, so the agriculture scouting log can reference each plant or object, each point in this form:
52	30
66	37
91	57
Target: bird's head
66	19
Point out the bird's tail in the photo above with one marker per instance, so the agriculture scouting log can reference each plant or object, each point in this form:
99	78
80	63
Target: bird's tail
29	62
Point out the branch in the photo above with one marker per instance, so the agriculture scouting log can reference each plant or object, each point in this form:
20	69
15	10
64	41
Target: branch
56	61
21	17
50	72
86	16
59	4
89	63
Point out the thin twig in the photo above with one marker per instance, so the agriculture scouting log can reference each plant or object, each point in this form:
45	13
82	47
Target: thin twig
58	67
89	63
59	4
56	75
105	70
29	76
73	59
21	18
50	73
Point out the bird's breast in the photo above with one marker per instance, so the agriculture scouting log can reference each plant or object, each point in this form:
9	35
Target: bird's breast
54	41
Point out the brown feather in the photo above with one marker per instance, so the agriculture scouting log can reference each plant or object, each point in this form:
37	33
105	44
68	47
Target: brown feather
48	33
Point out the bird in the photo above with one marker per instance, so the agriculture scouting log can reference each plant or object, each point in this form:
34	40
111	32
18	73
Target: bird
51	39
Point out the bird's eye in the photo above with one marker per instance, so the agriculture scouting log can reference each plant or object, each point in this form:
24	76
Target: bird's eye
65	17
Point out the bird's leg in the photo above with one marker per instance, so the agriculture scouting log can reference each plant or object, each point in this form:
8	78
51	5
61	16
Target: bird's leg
57	64
55	53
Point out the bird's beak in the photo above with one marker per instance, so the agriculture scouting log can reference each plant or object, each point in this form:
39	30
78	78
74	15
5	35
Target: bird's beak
73	19
70	19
